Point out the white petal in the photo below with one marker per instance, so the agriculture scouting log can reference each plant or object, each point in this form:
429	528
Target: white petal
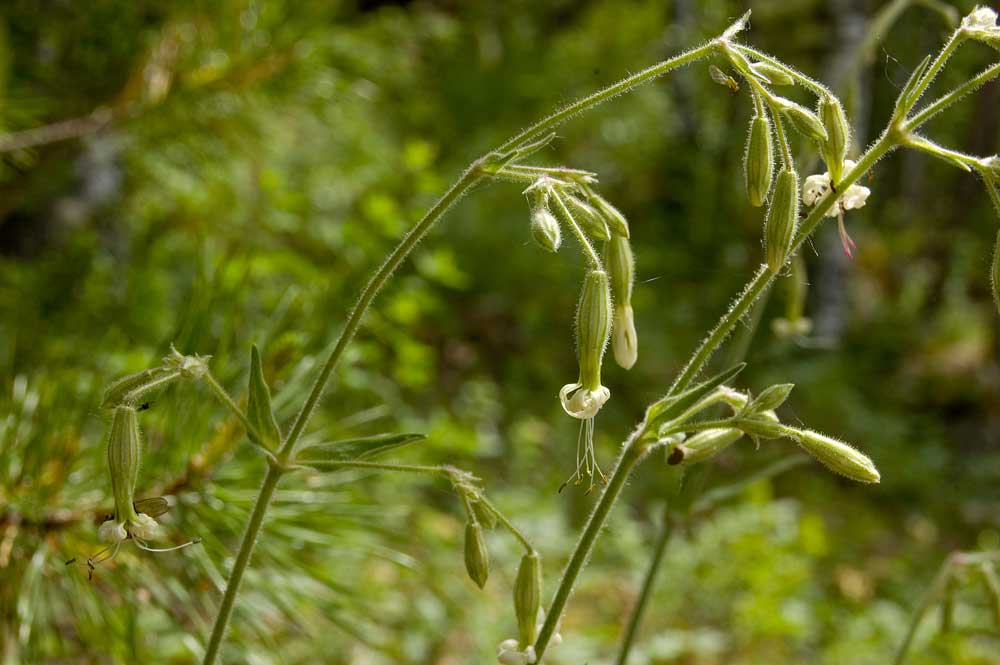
143	526
855	197
815	188
581	403
507	645
112	532
980	18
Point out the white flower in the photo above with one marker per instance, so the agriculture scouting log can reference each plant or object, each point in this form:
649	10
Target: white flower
981	18
581	403
818	187
509	654
143	527
112	532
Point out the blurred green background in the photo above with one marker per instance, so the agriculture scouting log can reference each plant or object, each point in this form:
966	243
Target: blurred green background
212	174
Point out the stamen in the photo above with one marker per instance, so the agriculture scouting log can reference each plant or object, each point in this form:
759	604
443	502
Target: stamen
142	545
845	240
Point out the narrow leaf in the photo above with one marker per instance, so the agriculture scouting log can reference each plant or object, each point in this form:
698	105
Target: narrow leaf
357	449
904	101
673	405
259	411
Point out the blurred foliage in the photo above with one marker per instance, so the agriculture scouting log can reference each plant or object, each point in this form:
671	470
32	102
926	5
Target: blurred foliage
232	173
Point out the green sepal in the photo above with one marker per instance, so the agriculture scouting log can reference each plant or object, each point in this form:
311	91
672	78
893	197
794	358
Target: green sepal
259	411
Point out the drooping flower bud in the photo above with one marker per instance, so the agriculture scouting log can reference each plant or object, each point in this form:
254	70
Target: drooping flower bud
839	457
593	327
838	136
124	459
612	216
589	219
132	388
773	75
708	443
477	557
620	262
528	597
545	229
782	219
758	162
803	120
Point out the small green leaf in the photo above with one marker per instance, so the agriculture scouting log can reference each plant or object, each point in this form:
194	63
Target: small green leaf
259	411
770	399
357	449
905	101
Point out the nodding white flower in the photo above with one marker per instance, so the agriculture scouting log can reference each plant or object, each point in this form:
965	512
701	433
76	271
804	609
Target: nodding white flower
817	187
981	18
581	402
509	654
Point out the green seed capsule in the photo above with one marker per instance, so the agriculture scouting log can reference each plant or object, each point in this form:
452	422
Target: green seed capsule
124	459
588	218
528	597
545	229
774	75
593	327
612	216
839	457
782	219
838	131
708	443
995	273
805	121
477	557
758	162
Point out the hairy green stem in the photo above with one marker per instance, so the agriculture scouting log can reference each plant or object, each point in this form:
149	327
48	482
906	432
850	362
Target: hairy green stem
765	277
470	178
274	474
950	98
632	453
507	524
648	583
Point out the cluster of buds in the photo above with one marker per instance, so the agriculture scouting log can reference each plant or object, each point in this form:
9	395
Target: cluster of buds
827	126
573	202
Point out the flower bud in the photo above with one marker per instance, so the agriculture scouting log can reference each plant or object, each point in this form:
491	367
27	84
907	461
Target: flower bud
805	121
124	459
839	457
593	327
588	218
612	216
707	443
545	229
624	341
528	597
838	131
477	557
782	219
773	75
758	162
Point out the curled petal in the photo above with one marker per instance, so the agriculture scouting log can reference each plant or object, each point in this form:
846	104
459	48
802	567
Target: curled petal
112	532
143	526
581	403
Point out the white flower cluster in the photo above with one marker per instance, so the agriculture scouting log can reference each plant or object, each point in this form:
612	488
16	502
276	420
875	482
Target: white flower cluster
981	18
818	187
